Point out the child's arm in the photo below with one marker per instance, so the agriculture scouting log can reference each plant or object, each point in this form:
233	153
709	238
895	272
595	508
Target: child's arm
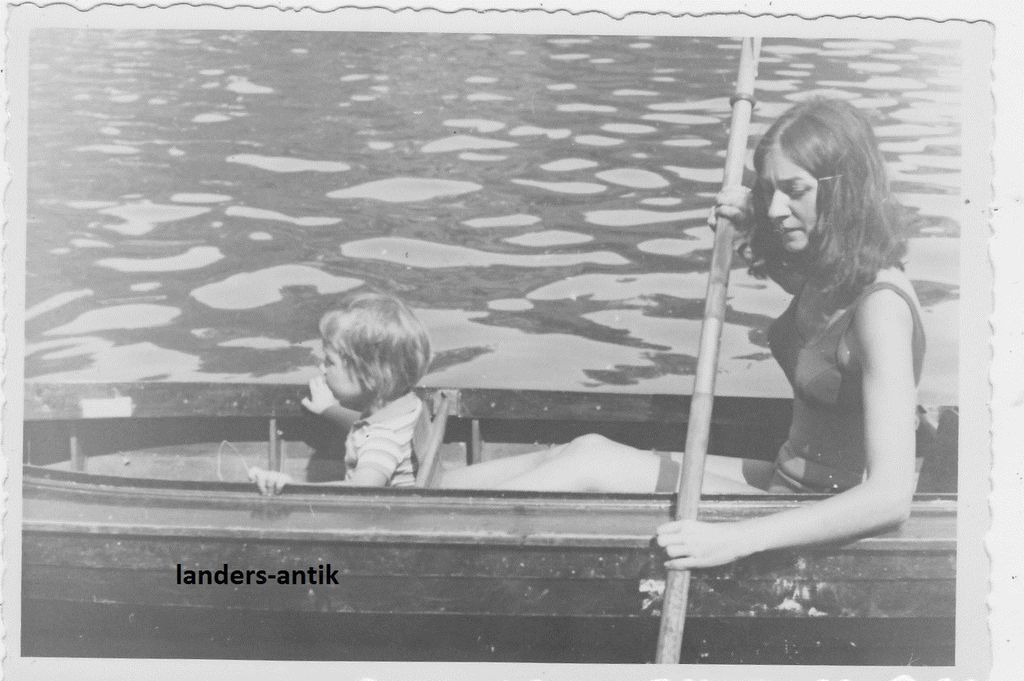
272	482
367	476
321	401
374	469
340	416
377	459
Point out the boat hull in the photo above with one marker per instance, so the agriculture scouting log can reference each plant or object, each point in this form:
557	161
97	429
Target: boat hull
437	552
452	574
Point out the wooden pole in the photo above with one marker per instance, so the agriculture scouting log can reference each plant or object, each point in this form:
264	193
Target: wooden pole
673	612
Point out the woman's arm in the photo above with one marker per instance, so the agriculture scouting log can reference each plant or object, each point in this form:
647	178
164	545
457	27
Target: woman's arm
882	332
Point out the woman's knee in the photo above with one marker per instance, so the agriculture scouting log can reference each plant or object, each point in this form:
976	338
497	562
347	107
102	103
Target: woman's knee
600	464
592	443
596	452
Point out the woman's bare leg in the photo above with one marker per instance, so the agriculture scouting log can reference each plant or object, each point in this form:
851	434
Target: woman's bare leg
490	474
592	463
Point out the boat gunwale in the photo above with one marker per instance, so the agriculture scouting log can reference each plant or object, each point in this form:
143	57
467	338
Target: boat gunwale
867	545
42	476
63	487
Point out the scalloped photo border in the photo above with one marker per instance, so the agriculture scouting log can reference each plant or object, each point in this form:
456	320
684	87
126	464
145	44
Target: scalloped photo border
992	337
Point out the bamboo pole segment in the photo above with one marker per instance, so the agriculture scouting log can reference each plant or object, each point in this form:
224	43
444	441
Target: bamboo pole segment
688	487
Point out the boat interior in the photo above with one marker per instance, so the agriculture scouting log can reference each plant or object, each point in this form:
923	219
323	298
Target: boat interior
169	436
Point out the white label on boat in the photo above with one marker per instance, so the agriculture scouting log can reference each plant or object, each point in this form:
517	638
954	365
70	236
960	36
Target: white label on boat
106	407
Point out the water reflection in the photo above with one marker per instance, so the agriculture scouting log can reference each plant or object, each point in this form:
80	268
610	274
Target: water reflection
197	198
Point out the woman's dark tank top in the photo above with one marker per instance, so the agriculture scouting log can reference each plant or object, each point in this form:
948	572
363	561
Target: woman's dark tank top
825	449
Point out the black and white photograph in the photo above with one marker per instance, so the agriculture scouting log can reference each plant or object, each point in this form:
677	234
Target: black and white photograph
384	337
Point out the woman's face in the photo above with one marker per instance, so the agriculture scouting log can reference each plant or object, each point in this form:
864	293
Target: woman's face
791	194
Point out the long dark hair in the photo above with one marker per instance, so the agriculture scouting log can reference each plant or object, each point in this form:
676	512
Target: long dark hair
859	229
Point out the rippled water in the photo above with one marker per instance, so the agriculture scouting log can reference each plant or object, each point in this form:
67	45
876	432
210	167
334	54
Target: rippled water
198	198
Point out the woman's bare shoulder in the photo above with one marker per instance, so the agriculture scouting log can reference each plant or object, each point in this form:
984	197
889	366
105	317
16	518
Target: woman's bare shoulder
884	311
882	316
898	278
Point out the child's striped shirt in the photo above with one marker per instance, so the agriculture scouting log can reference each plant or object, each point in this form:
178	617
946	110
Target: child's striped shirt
383	441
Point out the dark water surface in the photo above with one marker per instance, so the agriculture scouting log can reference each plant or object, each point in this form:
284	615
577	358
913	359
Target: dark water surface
197	199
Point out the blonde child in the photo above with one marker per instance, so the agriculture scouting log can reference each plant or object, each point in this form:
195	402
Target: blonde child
375	351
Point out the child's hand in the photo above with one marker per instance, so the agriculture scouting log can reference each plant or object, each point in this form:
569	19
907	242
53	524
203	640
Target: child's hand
320	396
269	482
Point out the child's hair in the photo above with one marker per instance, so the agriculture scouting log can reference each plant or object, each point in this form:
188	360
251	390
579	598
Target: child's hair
859	223
386	345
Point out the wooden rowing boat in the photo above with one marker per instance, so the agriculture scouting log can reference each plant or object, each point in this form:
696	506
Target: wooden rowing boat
129	486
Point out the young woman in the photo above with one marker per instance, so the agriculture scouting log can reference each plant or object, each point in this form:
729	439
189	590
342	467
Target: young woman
821	223
375	351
